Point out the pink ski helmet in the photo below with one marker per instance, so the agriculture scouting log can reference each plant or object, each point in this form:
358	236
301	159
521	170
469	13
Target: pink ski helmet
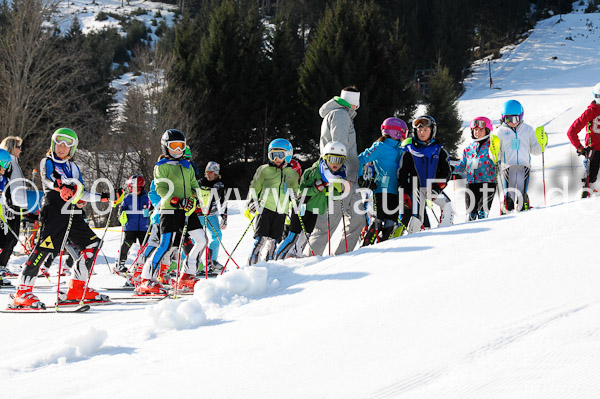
394	128
481	121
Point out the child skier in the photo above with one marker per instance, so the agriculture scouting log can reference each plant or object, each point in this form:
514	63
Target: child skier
590	120
269	187
479	169
517	142
178	189
63	185
133	214
424	170
211	184
323	179
385	155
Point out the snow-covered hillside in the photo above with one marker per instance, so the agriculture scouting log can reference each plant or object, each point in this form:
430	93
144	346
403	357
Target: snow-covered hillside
507	307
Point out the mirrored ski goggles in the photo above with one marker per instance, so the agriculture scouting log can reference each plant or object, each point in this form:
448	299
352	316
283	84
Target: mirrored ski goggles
477	123
5	164
512	118
177	145
333	159
424	122
276	154
66	140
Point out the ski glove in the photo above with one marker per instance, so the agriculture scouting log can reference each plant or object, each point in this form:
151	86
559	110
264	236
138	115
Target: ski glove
67	192
585	151
104	197
367	183
187	204
223	224
252	206
319	185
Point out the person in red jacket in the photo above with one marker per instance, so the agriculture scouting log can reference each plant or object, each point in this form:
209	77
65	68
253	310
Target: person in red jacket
590	120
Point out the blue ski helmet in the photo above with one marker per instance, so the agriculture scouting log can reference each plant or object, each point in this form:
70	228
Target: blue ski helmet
281	144
5	159
512	107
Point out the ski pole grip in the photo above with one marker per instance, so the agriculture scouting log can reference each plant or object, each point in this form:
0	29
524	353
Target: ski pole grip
542	137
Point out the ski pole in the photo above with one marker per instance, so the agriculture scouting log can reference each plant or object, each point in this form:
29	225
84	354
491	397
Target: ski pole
239	241
306	233
344	224
220	242
62	249
87	282
179	248
16	236
328	229
542	139
495	151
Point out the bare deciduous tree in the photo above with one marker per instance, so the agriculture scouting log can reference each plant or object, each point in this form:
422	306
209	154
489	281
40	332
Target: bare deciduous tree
39	78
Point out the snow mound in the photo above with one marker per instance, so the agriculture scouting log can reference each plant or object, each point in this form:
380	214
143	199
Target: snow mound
235	287
75	348
177	315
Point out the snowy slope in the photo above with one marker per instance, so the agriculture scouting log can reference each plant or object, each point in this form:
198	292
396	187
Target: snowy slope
502	308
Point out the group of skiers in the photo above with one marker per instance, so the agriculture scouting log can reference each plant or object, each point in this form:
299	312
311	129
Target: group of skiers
380	193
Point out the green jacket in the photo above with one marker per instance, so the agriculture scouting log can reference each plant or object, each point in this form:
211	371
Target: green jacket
183	179
315	200
271	184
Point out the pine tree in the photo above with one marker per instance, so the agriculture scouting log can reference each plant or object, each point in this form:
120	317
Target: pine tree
353	45
226	75
442	105
283	103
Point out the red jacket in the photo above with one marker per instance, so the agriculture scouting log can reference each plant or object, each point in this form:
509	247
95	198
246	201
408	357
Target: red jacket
590	119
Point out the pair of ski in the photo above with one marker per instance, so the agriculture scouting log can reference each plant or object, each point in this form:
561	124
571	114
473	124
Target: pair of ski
76	307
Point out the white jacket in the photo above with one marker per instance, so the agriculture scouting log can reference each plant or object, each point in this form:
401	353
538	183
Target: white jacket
18	188
516	147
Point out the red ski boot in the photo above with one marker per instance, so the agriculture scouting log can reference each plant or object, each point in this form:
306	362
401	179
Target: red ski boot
24	299
187	282
149	287
75	293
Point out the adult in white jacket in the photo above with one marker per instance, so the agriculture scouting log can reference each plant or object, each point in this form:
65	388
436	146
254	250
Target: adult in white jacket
338	125
517	142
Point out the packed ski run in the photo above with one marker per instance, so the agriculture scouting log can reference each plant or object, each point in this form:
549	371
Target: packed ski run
512	313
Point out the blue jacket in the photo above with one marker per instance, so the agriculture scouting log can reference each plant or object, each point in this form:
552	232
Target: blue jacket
385	156
134	205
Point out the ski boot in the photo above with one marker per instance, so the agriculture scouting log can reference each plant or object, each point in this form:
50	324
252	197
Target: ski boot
164	277
120	269
187	282
75	294
24	299
149	287
4	272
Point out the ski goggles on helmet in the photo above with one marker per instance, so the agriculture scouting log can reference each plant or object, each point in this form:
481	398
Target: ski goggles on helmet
276	154
5	164
477	123
66	140
422	122
512	119
333	159
177	146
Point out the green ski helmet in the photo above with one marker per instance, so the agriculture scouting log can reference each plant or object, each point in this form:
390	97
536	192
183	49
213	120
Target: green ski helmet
67	137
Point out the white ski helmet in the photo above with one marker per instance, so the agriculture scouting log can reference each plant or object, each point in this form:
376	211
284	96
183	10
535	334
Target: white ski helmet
596	91
334	148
